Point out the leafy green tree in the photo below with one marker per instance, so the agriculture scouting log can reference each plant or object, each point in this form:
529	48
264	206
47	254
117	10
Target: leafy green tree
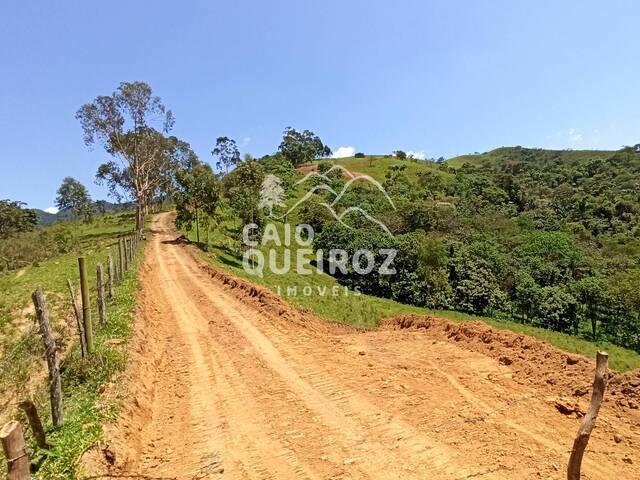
592	293
242	188
526	295
198	193
324	166
73	196
314	214
282	168
397	183
431	183
558	310
476	288
401	154
14	218
433	261
302	147
227	152
552	257
359	155
130	124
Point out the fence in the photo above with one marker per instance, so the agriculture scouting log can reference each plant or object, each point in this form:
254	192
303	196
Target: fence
119	260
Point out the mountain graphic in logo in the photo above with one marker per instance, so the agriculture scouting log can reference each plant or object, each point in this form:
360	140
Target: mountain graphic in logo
272	194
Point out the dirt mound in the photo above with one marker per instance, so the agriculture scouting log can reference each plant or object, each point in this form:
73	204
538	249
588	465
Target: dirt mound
532	361
269	303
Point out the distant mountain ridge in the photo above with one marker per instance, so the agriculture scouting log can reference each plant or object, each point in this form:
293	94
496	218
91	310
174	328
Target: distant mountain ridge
99	206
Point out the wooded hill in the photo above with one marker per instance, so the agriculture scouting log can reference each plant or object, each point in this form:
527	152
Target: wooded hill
549	238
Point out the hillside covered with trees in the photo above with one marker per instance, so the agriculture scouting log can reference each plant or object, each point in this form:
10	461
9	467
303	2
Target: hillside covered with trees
550	238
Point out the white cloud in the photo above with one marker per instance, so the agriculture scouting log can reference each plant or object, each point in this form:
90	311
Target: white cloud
572	135
342	152
245	141
53	210
419	155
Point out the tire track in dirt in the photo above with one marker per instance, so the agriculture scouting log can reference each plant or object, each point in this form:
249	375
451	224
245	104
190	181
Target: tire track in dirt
362	424
232	391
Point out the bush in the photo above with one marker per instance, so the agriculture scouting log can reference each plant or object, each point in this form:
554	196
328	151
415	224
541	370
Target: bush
324	166
26	248
359	155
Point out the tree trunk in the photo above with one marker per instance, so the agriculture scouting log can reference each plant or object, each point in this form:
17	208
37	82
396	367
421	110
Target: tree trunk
197	228
139	214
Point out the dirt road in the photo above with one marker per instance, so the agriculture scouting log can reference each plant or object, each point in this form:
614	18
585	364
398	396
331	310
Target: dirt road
226	389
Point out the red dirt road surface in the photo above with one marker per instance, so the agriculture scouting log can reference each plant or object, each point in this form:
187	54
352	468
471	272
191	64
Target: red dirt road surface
228	381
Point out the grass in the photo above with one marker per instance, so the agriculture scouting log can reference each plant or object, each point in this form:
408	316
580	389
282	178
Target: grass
22	370
93	240
83	380
20	347
366	311
376	166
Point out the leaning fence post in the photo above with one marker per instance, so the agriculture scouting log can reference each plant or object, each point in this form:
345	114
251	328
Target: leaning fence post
100	288
78	315
589	420
15	451
55	384
31	412
110	273
86	306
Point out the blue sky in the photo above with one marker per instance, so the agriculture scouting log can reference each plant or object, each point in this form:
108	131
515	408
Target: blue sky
442	77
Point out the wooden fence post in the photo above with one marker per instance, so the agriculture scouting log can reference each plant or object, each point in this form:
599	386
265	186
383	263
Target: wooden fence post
119	264
100	288
86	306
589	420
110	273
78	315
31	412
15	450
55	384
125	254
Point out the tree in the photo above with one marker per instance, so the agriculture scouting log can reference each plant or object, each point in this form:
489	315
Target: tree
359	155
73	196
591	292
557	310
227	152
272	194
401	154
302	147
15	219
123	123
242	188
198	190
